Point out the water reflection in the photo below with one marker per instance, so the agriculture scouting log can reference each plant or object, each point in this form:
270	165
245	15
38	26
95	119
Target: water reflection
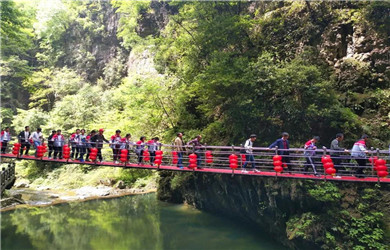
132	222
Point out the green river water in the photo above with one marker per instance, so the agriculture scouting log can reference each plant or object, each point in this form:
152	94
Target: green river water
131	222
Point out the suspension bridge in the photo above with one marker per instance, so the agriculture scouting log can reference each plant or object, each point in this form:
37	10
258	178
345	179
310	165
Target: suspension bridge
230	160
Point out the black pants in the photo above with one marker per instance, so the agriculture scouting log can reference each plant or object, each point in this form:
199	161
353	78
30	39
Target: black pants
88	152
116	153
337	163
362	166
82	151
286	161
152	156
99	154
27	145
4	145
74	149
140	156
51	150
310	162
57	151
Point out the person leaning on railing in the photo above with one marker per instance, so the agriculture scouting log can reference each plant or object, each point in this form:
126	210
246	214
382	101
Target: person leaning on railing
58	142
310	150
283	145
50	143
89	144
359	151
37	138
336	148
4	139
24	140
197	149
97	141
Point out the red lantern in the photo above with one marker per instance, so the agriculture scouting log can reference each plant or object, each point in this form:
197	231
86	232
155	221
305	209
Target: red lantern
93	154
209	157
372	160
233	162
175	157
277	158
123	155
278	169
380	162
66	152
15	149
243	157
278	163
382	173
328	165
146	155
192	161
381	168
330	171
325	159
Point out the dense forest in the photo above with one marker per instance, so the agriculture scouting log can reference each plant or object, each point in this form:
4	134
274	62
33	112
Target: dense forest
222	69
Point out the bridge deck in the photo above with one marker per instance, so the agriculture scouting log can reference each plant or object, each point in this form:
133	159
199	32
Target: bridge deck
206	170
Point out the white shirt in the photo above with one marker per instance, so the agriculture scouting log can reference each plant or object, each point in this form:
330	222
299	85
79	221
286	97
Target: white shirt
36	136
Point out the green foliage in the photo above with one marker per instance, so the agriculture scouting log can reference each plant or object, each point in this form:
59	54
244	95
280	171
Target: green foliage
34	118
130	15
48	86
300	226
325	192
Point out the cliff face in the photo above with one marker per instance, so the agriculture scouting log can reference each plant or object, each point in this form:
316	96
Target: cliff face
300	214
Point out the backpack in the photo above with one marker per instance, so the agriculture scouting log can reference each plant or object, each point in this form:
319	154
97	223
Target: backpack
242	148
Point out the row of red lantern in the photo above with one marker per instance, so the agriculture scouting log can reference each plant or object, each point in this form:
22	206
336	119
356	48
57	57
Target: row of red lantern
16	148
277	161
328	165
380	167
158	157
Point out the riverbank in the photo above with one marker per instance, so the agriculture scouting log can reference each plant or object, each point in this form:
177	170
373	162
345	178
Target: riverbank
42	184
26	197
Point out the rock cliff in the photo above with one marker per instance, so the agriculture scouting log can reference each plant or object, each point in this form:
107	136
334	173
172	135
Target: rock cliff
298	213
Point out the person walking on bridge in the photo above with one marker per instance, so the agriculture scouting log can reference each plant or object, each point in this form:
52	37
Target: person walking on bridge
4	139
127	144
98	140
153	146
310	150
74	141
82	145
37	138
359	152
24	140
139	150
58	142
336	151
89	144
197	149
178	143
115	145
283	145
249	157
50	143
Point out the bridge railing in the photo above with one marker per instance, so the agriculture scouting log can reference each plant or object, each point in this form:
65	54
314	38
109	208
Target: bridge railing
295	160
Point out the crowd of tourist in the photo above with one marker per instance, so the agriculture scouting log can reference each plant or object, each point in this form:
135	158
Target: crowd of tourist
82	142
